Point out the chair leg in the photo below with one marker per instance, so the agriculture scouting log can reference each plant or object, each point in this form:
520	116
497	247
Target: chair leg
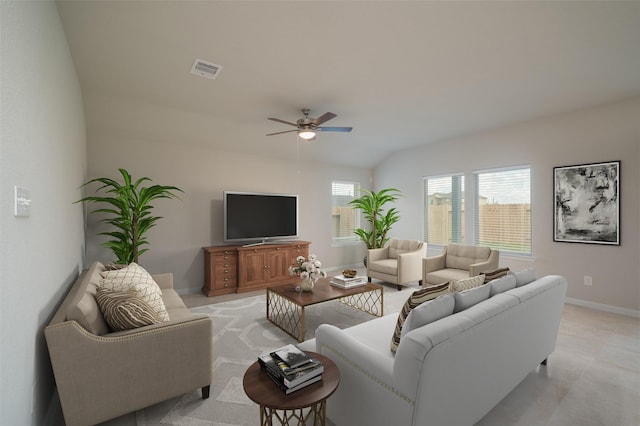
544	362
369	279
399	287
205	391
420	283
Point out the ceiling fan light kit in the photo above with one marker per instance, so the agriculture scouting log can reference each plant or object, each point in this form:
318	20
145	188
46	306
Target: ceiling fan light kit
308	127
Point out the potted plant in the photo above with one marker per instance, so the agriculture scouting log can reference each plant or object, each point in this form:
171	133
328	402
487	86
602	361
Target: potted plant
372	205
128	209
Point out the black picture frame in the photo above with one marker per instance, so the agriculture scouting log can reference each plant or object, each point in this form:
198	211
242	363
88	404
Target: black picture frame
587	203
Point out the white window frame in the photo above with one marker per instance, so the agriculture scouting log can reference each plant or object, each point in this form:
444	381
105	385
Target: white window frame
345	239
425	214
501	245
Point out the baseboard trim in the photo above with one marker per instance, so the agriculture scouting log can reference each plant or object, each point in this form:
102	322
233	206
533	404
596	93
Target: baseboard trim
602	307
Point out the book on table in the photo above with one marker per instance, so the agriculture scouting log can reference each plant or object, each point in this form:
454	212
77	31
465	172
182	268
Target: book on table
344	282
291	379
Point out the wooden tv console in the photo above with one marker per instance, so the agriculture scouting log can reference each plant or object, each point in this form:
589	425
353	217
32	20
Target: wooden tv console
236	269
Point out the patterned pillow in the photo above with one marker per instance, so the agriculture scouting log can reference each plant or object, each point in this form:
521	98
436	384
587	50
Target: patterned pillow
124	310
495	274
467	283
134	277
414	300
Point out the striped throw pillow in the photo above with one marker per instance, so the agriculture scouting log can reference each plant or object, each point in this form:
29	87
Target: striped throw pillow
467	283
495	274
414	300
125	310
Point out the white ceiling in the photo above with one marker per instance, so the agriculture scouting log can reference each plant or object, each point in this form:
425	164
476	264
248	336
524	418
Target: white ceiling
401	73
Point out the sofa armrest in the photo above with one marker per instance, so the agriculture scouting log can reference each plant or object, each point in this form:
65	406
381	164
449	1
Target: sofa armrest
164	280
488	265
365	376
102	377
433	263
410	265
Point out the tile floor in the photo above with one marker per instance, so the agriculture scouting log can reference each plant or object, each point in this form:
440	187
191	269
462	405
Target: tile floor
592	379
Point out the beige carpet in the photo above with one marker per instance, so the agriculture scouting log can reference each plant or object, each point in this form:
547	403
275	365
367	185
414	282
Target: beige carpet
241	333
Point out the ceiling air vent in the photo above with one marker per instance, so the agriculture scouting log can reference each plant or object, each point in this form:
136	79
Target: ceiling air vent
205	69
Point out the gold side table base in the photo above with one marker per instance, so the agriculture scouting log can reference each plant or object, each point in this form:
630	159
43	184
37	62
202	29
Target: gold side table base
295	417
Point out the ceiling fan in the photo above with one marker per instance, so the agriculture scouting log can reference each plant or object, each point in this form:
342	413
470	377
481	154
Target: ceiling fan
307	127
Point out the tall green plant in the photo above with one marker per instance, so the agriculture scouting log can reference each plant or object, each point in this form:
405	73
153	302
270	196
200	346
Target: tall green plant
372	205
128	209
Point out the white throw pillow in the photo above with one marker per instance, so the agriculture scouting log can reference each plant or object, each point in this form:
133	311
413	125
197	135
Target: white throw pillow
428	312
467	283
135	277
525	277
501	285
466	299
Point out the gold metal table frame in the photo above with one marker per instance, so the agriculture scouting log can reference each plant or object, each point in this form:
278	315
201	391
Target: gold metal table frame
286	306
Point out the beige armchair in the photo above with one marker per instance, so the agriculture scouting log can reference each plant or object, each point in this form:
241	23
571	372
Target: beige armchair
399	263
457	262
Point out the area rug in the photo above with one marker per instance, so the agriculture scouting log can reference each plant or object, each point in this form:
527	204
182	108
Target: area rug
241	333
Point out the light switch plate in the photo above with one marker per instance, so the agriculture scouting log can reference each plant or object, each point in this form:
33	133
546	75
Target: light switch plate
22	202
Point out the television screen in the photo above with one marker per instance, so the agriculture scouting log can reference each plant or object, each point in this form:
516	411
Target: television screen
251	216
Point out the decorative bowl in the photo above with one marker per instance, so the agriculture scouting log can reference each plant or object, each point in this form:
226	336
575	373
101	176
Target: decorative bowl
349	273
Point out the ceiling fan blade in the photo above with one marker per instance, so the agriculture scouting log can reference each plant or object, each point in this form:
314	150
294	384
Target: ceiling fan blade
323	118
282	121
335	129
279	133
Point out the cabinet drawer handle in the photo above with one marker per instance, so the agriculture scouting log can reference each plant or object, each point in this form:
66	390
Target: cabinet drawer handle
226	271
226	257
226	284
226	265
226	279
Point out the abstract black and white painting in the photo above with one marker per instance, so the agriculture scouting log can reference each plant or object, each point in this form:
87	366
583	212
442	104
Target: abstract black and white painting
587	203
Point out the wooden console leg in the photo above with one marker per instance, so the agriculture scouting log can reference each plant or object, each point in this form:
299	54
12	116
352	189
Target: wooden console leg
205	391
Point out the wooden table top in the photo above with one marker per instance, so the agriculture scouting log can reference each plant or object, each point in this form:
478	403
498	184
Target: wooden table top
260	388
322	292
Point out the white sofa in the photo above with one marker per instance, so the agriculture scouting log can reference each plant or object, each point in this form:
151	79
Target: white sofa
450	372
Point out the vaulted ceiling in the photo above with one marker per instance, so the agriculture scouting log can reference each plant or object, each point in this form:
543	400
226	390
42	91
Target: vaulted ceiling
401	73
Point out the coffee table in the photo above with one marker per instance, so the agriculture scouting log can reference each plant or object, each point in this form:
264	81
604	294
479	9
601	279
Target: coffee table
286	306
290	409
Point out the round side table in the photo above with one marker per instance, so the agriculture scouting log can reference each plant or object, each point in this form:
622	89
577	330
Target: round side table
289	409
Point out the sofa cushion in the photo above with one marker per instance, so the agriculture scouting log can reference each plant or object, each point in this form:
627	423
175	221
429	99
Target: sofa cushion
384	266
414	300
468	298
442	275
397	247
125	310
495	274
525	277
502	284
84	309
428	312
463	256
135	277
467	283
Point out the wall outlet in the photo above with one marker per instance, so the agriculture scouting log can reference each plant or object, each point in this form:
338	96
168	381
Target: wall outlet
588	280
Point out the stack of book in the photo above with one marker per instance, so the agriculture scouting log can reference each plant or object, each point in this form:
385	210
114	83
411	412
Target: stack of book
341	281
291	369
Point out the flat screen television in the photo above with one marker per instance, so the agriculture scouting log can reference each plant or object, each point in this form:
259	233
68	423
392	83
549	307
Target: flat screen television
253	217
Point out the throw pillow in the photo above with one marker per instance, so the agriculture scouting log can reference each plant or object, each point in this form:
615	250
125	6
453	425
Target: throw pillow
525	277
135	277
428	312
414	300
468	298
467	283
124	310
495	274
502	284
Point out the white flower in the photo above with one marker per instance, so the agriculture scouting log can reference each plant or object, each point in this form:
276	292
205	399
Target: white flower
304	275
300	259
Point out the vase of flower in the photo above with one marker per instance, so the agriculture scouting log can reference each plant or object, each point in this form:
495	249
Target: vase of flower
308	270
307	284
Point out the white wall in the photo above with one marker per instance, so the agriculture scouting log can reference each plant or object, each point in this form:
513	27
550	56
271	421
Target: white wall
43	149
607	133
203	173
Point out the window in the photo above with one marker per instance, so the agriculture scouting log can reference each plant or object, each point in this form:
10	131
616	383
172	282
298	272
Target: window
344	217
502	214
444	209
